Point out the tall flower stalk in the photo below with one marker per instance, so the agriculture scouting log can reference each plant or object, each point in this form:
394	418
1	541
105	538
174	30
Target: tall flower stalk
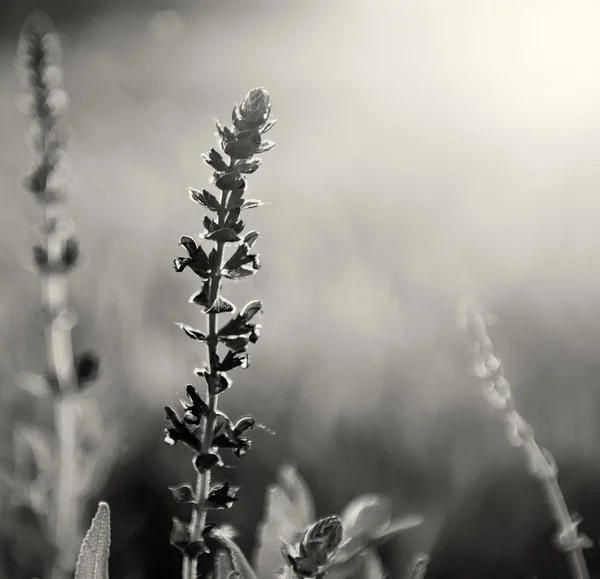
497	390
55	255
205	429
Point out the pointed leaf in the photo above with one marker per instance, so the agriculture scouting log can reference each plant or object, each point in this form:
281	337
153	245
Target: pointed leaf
252	203
289	509
251	237
216	160
221	306
235	555
92	562
206	199
364	565
192	332
251	309
41	445
400	525
223	236
183	493
200	298
367	516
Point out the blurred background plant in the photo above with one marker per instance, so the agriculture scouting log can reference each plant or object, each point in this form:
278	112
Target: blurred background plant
432	149
53	471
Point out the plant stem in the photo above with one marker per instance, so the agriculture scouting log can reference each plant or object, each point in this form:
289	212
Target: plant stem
558	507
59	351
541	462
198	522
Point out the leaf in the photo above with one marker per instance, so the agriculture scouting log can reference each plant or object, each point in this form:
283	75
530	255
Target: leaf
366	564
215	160
251	309
92	562
399	526
192	332
183	493
238	273
226	235
252	203
366	517
289	509
210	225
200	298
248	166
221	306
251	237
40	443
236	558
180	534
265	146
206	199
37	384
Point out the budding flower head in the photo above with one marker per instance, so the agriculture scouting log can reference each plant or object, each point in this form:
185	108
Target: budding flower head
254	110
317	548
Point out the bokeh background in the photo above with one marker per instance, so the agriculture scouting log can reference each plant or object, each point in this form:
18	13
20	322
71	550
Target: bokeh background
428	150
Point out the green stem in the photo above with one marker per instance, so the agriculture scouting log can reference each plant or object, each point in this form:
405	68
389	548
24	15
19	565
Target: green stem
59	351
558	506
198	522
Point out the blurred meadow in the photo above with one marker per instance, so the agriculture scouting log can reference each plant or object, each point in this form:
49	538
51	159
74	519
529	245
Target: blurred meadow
427	150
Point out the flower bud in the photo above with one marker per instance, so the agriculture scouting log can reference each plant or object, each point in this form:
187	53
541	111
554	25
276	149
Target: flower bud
253	111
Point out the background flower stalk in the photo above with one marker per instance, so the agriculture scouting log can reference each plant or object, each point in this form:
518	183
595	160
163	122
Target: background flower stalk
497	390
55	256
205	429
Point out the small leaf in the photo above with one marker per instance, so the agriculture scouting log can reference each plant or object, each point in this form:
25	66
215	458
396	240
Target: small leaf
367	516
265	146
192	332
38	442
189	244
238	227
251	237
399	526
200	298
289	509
241	148
252	203
92	562
183	493
210	225
180	534
232	218
38	385
223	236
239	273
230	180
251	309
248	166
221	306
234	553
205	462
206	199
268	125
216	160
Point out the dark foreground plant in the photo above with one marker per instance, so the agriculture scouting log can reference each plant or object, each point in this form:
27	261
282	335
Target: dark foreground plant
65	468
203	428
541	464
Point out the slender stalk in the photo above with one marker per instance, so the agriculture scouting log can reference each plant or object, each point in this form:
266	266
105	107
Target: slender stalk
542	466
38	48
59	351
198	521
